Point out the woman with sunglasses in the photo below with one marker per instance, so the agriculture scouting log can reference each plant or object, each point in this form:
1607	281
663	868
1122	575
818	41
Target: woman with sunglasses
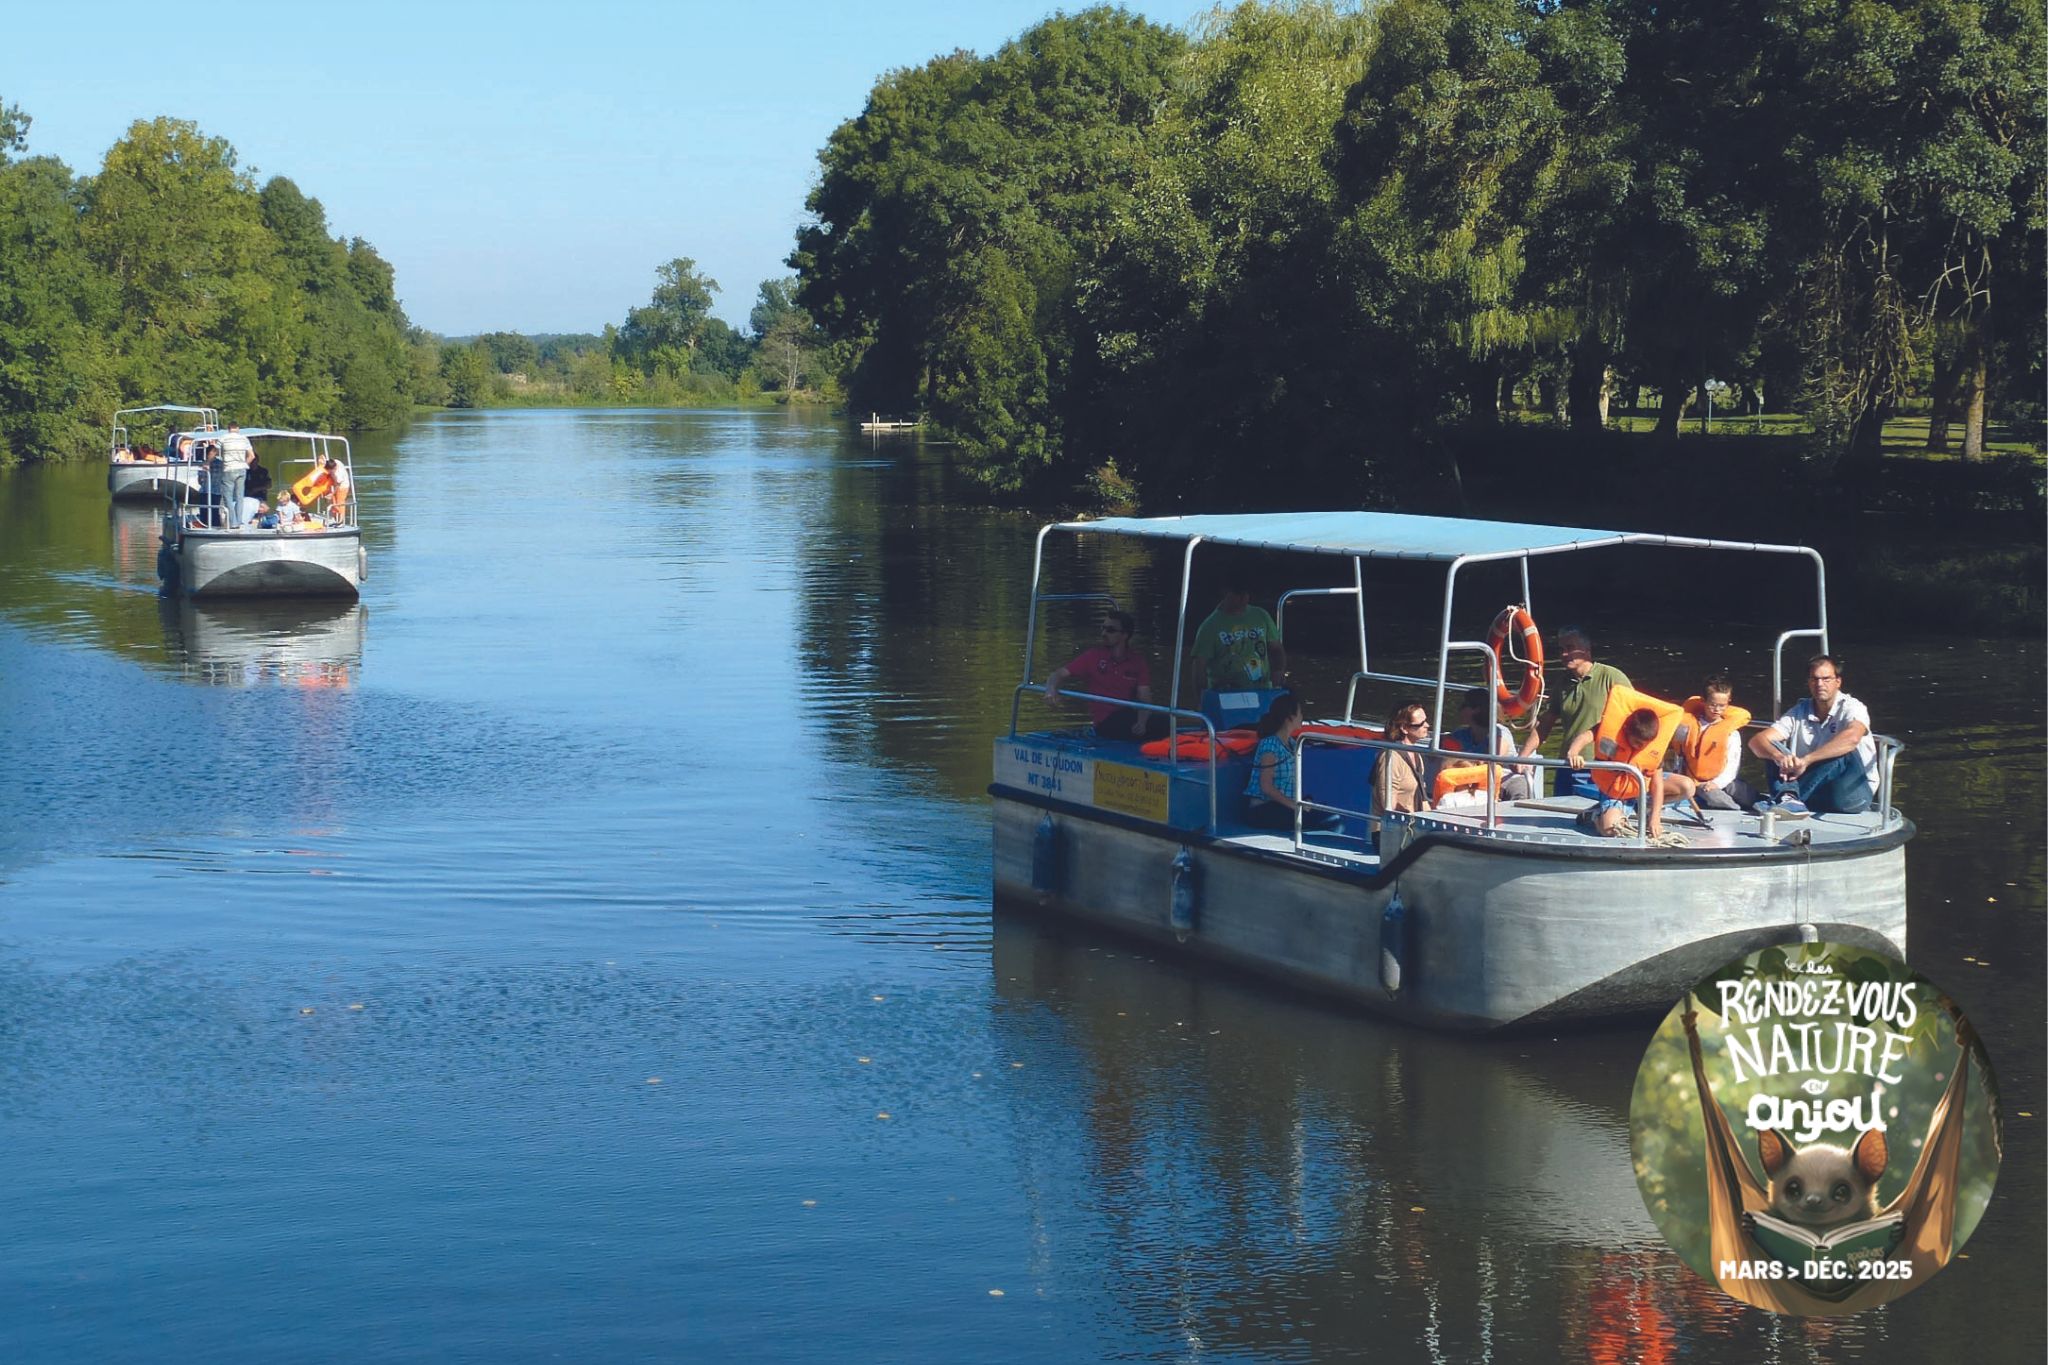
1397	785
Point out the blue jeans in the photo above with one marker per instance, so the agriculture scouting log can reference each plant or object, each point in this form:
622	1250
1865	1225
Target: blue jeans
1574	782
1833	786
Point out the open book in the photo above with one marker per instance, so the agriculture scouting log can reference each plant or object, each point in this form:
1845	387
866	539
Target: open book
1870	1239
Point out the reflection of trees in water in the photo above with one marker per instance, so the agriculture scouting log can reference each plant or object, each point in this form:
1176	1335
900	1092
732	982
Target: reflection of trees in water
1273	1181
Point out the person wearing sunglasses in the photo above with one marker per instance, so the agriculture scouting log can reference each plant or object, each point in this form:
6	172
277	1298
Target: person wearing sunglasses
1112	671
1397	781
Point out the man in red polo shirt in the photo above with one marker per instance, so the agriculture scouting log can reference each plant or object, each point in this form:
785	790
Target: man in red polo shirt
1112	671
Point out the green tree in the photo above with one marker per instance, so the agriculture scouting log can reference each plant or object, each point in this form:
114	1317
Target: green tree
955	219
1223	354
663	335
467	371
54	383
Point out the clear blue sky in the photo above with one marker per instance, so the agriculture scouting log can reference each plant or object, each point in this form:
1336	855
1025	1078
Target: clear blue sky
524	167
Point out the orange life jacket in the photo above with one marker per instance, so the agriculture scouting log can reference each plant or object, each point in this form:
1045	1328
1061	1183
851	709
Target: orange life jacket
1464	777
1611	745
1195	744
309	487
1703	747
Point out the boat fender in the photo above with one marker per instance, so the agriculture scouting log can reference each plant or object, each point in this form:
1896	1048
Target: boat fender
1184	899
1045	858
362	563
1393	942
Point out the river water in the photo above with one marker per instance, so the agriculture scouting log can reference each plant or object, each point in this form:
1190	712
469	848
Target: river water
582	949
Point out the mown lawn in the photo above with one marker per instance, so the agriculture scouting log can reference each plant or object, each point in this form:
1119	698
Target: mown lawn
1902	435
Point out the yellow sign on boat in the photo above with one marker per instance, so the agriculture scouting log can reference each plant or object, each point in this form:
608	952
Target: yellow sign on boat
1131	791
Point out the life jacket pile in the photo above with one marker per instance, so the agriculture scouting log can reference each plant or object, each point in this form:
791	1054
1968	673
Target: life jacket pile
1464	777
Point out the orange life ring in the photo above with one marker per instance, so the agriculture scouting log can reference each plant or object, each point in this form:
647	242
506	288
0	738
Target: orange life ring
1195	744
1515	617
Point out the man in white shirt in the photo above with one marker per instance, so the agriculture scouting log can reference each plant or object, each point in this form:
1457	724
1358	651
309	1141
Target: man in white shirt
1822	748
235	451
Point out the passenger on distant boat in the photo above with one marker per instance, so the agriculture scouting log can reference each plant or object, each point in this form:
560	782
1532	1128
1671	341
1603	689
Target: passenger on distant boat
1112	670
1237	647
1272	783
1514	782
1822	747
1397	784
259	481
1578	704
1707	750
340	484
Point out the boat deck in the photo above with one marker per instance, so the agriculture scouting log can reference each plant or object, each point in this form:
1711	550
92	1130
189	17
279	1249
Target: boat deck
1552	821
1538	824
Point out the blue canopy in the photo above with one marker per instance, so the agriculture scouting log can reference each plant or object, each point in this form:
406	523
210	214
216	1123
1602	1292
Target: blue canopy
1390	535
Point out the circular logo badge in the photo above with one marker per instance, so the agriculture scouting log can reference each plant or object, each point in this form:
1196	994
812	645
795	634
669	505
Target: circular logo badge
1815	1129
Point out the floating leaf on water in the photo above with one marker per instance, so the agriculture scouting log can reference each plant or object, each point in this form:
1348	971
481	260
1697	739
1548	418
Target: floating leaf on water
878	998
864	1061
810	1203
1016	1066
308	1009
883	1115
1417	1208
356	1006
975	1074
2026	1113
995	1293
654	1080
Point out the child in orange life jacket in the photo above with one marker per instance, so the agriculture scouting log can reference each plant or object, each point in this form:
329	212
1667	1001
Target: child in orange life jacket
1617	800
1706	751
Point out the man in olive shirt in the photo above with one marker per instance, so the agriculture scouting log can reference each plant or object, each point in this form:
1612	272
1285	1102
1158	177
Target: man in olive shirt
1578	704
1237	648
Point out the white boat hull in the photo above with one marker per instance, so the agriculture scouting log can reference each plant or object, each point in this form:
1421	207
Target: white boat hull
145	482
328	563
1496	935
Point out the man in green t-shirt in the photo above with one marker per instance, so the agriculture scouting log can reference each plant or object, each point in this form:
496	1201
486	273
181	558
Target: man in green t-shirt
1578	704
1238	647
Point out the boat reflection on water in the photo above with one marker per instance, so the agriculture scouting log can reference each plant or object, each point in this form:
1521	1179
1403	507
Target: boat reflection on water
136	531
1265	1166
309	644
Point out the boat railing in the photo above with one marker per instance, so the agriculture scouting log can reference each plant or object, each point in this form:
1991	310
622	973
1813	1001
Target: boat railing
1172	713
1302	805
1778	662
1436	686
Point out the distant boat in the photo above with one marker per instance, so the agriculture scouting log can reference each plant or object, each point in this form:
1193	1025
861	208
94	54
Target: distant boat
132	477
877	422
321	556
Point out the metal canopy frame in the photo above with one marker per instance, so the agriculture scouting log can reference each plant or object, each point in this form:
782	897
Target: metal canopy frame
1359	536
